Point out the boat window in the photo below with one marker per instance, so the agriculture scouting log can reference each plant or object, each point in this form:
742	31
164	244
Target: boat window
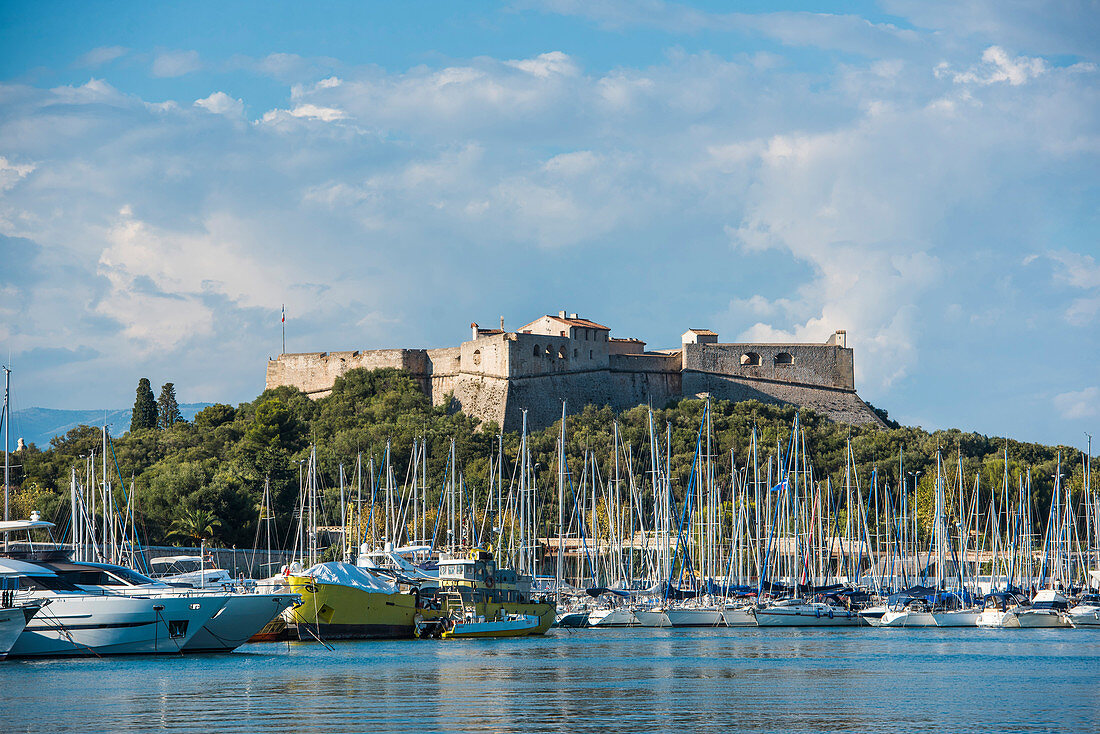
45	583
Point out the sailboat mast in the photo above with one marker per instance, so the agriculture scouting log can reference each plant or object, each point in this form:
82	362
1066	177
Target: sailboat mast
561	502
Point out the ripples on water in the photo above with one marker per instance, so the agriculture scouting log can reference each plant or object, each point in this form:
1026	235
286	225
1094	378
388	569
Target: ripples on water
585	680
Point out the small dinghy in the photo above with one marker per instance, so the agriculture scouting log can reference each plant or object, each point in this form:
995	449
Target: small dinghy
509	625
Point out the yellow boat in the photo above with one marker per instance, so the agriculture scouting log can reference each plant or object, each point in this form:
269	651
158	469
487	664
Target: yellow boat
341	601
472	587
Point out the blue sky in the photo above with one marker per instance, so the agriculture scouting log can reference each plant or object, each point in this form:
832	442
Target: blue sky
920	174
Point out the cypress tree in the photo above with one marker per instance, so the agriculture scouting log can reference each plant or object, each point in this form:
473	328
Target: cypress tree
168	411
145	408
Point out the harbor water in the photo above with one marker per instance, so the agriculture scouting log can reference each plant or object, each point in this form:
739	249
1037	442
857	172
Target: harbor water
631	680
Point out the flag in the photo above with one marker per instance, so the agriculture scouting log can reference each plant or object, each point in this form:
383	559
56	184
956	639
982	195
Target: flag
284	314
779	487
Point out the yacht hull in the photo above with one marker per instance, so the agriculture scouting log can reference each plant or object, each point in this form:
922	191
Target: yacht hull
997	620
652	618
88	624
13	620
958	618
1042	618
612	618
242	617
688	617
1089	617
738	617
907	619
806	616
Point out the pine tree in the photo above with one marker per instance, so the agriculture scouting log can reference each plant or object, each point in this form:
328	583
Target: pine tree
145	408
168	411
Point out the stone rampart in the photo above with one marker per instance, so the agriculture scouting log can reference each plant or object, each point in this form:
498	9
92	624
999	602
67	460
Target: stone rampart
498	374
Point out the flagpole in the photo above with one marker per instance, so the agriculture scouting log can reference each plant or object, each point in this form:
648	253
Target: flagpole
284	329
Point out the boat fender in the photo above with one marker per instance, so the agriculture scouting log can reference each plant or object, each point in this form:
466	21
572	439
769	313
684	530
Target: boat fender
849	615
817	613
831	614
489	582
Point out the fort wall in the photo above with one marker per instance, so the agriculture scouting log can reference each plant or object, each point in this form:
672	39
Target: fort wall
496	375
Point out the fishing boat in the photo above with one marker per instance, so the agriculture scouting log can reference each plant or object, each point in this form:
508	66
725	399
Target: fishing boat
473	584
342	601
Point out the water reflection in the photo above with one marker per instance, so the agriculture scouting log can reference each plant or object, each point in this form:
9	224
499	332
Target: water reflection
754	680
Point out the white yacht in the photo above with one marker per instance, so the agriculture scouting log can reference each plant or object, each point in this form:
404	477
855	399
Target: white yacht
738	615
1000	611
692	615
79	622
800	613
14	616
1086	613
908	613
652	617
1048	609
622	616
244	613
189	570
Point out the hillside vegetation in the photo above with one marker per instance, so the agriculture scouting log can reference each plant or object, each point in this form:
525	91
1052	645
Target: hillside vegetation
214	467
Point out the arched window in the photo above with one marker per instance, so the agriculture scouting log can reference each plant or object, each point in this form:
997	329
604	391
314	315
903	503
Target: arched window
549	351
783	359
750	359
561	353
575	353
538	352
477	357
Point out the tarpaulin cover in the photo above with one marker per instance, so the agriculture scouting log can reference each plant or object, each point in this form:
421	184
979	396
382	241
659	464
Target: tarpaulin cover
346	574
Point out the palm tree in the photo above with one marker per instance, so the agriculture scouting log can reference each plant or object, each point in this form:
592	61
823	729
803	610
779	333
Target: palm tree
195	524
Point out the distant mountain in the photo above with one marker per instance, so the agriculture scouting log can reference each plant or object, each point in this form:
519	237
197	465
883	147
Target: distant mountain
39	425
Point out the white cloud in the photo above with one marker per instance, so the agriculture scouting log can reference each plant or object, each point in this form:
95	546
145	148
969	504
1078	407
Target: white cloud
101	55
306	112
176	63
221	103
545	65
1076	270
997	66
1079	404
13	173
865	194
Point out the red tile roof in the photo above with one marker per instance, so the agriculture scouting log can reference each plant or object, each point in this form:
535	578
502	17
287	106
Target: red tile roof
583	323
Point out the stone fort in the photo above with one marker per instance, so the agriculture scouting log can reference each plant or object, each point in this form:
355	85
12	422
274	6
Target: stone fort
498	374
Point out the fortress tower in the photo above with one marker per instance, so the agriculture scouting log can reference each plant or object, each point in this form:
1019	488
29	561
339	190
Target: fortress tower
497	373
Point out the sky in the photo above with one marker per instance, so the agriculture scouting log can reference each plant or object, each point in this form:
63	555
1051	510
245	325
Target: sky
923	175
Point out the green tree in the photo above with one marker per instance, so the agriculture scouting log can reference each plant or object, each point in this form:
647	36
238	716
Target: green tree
145	408
195	523
168	410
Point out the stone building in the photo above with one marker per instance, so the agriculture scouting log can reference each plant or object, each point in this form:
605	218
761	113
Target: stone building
497	373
